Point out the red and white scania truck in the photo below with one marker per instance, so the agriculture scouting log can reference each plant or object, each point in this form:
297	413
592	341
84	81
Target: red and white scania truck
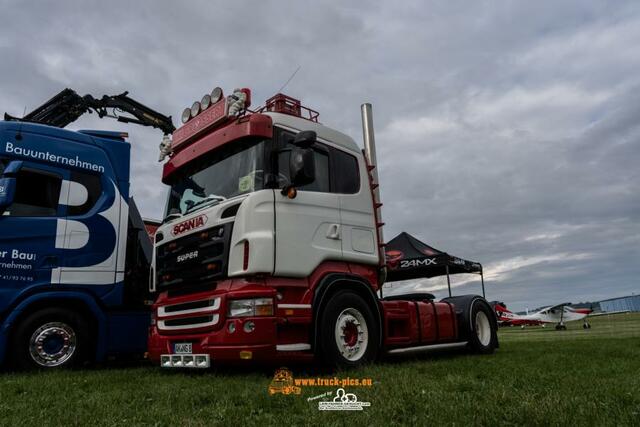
271	248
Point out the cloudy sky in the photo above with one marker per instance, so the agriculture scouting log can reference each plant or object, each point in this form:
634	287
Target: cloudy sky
508	132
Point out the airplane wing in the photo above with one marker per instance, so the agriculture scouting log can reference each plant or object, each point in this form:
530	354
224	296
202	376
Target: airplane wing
604	313
554	308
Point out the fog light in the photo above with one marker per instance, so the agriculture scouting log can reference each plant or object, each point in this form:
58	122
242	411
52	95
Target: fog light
201	361
246	355
231	328
165	361
188	361
249	326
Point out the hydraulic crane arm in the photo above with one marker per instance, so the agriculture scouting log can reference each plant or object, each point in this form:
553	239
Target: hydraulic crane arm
67	106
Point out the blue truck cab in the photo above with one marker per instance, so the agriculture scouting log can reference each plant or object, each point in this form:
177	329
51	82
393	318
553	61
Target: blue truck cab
74	252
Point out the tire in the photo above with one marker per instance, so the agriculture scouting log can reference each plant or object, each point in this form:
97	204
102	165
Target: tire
62	336
349	332
483	338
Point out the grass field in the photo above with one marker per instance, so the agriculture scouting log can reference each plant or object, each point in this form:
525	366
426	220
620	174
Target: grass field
537	377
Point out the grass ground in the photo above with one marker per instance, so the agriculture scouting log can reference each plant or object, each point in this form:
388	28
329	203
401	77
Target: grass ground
537	377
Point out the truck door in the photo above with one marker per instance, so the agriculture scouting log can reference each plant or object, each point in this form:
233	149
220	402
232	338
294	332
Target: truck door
28	230
356	208
95	214
308	226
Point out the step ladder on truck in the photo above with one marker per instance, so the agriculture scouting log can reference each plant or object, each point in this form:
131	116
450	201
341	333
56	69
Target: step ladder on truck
74	252
272	249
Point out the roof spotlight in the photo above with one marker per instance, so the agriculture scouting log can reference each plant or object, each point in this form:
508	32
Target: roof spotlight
195	109
186	115
216	94
205	101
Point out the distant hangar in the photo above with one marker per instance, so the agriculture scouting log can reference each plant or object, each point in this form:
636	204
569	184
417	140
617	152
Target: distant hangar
631	303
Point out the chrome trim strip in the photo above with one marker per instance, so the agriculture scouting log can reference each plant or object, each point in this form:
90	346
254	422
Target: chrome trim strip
293	347
162	326
428	347
300	306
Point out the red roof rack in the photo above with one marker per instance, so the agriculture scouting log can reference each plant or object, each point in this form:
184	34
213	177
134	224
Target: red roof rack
281	103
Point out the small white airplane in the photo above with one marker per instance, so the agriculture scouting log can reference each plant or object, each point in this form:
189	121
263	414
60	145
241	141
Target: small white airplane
558	314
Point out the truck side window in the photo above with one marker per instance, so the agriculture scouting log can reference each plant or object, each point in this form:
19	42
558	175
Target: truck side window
322	181
37	194
94	191
346	176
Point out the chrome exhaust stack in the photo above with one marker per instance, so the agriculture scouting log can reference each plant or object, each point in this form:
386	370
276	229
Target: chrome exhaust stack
370	154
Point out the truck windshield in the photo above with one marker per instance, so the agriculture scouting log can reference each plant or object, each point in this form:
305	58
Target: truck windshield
228	173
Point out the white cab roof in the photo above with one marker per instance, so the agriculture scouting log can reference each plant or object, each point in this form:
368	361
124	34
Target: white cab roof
326	133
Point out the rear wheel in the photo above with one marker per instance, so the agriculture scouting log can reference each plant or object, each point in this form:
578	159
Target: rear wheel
50	338
349	332
483	338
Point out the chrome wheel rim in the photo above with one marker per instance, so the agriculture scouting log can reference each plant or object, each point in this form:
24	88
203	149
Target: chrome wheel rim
52	344
351	334
483	328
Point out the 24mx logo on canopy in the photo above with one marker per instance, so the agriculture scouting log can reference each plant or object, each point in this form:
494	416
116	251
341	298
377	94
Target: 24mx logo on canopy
417	262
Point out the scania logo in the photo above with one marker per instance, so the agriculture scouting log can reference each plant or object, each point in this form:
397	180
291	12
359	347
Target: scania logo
189	224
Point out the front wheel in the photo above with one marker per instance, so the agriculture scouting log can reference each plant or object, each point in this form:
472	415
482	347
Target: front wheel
50	338
349	332
483	338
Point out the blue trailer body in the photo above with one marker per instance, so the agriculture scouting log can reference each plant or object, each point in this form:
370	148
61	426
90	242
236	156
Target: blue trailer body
65	238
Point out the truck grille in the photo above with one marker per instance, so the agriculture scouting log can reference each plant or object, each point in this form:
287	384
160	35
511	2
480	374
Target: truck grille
189	315
199	306
194	259
188	322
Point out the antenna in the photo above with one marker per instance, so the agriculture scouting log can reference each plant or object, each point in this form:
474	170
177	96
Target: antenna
290	78
19	133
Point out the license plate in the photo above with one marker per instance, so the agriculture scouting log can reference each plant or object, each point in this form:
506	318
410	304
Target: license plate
182	348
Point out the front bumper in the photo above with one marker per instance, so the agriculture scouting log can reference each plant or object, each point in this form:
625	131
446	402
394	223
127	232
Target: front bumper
220	344
208	330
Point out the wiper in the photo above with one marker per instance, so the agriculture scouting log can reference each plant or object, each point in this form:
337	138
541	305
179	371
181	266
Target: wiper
171	217
206	201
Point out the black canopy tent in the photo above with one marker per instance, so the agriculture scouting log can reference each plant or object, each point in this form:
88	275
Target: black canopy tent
409	258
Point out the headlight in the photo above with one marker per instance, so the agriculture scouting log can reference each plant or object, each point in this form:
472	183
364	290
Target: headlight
250	307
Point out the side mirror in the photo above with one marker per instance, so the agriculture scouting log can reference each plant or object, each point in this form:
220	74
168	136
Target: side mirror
12	168
7	191
304	139
302	167
8	183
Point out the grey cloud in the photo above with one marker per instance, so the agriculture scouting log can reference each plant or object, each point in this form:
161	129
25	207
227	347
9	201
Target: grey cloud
508	132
